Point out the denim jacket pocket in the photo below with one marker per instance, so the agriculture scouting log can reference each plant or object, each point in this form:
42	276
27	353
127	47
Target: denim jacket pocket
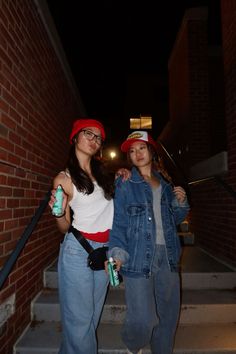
136	210
136	215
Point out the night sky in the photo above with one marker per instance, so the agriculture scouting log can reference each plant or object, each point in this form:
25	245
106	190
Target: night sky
111	44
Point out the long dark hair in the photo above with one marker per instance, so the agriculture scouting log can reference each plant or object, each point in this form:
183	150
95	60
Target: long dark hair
81	179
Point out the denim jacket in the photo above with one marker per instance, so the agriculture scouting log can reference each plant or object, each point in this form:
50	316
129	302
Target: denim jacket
133	234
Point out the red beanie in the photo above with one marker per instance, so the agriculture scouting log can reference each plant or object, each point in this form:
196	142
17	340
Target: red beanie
80	124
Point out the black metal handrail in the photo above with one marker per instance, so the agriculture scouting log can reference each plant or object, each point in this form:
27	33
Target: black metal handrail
217	178
226	186
175	165
167	153
6	269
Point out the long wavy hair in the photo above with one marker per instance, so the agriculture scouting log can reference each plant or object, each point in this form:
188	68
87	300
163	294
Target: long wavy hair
81	179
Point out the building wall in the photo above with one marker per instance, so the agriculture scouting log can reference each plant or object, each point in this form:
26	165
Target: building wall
37	107
214	209
228	11
213	214
189	91
216	100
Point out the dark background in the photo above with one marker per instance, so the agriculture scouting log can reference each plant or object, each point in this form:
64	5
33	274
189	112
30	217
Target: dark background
118	52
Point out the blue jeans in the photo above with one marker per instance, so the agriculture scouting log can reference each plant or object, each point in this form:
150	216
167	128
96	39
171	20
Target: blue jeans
153	306
82	294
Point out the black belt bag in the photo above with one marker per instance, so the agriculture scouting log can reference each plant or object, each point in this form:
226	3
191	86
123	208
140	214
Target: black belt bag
96	257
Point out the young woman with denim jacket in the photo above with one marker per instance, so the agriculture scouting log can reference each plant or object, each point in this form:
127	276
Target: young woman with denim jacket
146	248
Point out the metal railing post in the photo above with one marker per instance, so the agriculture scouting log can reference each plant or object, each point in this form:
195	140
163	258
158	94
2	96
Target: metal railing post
22	241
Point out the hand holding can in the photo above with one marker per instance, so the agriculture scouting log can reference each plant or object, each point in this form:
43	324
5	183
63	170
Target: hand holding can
57	209
113	273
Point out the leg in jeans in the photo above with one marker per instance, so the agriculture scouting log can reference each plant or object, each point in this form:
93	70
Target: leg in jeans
82	294
140	314
167	289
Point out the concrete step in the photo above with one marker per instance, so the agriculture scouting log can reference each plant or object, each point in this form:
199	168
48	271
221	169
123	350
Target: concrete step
207	321
193	276
198	306
215	280
44	338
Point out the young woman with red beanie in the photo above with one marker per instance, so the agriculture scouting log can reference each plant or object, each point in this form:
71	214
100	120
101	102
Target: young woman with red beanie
88	192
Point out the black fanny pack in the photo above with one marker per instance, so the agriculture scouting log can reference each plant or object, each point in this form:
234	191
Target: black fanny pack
96	257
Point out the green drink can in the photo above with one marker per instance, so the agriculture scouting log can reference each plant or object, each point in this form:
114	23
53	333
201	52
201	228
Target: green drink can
113	274
57	209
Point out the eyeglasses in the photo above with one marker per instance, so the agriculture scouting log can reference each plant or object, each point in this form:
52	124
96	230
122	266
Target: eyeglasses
90	136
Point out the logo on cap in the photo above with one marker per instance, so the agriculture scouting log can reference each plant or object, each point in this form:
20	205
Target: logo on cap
138	135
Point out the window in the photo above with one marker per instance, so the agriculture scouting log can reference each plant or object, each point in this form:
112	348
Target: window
143	122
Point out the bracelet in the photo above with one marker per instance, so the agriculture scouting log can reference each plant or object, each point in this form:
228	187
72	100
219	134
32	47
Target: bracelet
60	216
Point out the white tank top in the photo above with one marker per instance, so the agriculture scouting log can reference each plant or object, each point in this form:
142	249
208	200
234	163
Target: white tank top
92	212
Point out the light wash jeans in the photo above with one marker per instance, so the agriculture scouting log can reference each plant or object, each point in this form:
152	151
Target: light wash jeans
82	293
153	306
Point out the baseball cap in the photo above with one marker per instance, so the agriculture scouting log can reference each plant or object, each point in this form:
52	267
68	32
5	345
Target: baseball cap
80	124
138	135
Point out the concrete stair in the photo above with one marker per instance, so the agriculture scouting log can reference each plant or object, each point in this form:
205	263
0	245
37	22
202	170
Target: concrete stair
207	322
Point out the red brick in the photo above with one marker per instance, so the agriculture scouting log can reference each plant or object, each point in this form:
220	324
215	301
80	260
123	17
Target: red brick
36	114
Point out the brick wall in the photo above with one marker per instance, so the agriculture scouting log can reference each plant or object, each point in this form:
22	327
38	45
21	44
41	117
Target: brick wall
214	210
188	86
229	48
213	221
199	90
193	77
37	107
